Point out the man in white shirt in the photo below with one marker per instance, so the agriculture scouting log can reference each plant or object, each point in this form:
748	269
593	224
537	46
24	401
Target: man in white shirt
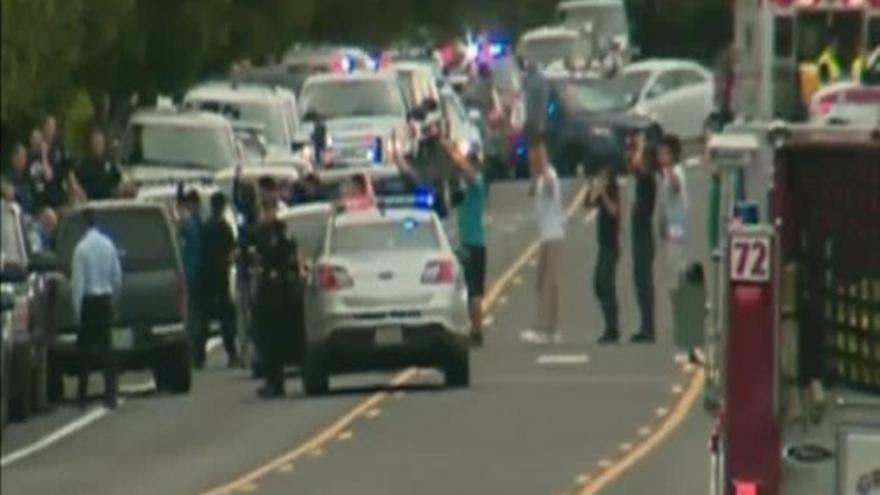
551	219
96	283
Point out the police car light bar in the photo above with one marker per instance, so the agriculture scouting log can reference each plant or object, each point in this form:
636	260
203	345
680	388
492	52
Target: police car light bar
421	200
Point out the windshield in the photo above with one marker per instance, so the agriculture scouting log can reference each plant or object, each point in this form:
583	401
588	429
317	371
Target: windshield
405	235
271	116
352	98
206	147
547	50
141	235
607	20
599	95
11	243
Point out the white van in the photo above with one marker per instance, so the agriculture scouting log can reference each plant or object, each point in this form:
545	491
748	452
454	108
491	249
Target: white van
607	18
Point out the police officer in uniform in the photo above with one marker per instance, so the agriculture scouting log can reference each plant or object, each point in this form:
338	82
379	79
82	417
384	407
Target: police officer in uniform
278	269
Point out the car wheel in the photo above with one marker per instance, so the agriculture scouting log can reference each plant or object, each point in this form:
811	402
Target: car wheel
315	379
173	371
457	372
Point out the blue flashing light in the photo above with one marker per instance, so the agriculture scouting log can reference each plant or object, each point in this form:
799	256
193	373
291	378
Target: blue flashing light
424	199
522	149
497	49
347	65
376	153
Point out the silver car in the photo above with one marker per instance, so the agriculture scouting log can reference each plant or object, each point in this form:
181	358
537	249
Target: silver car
386	292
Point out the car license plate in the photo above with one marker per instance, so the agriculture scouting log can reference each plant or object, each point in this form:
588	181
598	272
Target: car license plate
389	336
122	340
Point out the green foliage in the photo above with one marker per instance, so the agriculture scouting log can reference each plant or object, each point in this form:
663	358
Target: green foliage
53	50
78	116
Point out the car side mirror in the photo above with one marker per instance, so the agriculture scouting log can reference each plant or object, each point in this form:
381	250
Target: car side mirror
430	105
42	262
7	302
13	273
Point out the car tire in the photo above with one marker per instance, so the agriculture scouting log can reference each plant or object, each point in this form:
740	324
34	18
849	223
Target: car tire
173	371
315	379
457	372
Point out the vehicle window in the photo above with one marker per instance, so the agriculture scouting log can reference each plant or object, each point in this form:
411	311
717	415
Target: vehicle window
633	83
141	236
547	50
352	98
205	147
308	230
783	44
11	241
406	235
607	20
667	82
689	77
271	116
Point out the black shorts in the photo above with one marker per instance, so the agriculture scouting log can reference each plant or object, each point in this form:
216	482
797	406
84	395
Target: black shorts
475	270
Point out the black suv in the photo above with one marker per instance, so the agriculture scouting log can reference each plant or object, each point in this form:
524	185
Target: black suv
149	331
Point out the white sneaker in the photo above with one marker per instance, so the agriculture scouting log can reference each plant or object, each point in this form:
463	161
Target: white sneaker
533	337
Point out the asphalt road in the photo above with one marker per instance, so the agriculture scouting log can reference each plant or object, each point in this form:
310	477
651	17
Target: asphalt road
574	418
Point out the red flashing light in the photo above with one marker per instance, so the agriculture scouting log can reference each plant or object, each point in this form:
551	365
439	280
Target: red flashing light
331	277
745	487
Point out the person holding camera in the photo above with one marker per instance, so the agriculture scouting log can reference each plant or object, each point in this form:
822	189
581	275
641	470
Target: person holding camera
604	194
641	162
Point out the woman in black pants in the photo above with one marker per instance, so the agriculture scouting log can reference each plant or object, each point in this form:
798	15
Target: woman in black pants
605	195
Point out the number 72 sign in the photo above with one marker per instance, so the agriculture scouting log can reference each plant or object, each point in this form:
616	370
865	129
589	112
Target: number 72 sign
750	257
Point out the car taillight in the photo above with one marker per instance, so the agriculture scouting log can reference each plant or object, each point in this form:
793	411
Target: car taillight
181	296
439	272
331	277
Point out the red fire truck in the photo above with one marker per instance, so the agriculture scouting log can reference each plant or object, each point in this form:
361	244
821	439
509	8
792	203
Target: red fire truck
777	44
796	305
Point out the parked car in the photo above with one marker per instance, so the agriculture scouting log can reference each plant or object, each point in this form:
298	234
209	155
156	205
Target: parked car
30	278
588	122
164	146
149	328
272	109
846	103
678	94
